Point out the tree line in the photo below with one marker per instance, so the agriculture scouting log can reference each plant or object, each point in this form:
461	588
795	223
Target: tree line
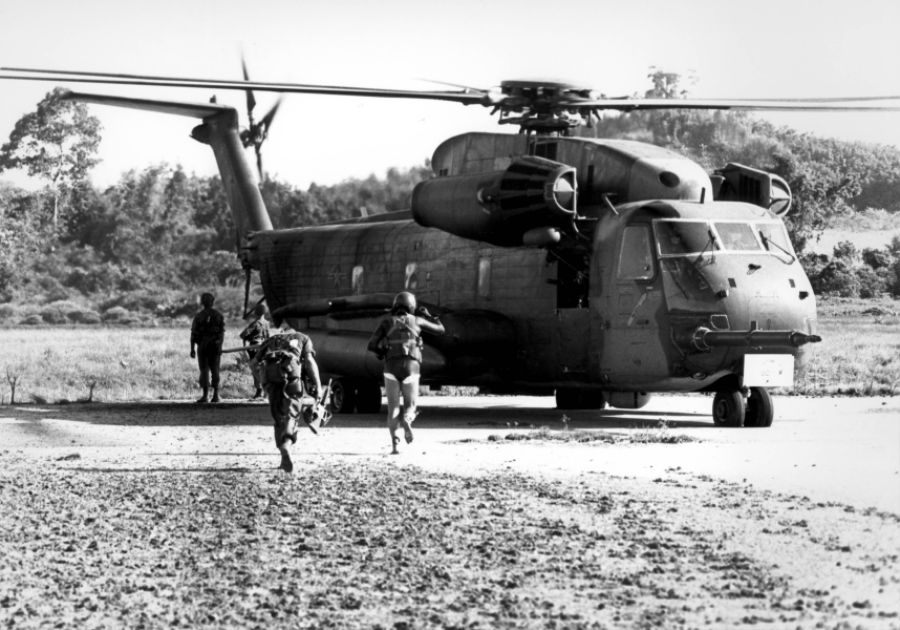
143	247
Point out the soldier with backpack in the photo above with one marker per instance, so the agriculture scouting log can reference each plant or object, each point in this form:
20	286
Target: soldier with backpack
398	342
290	376
255	334
207	334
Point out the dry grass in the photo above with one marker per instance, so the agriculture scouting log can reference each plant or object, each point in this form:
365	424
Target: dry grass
860	350
859	355
109	364
657	435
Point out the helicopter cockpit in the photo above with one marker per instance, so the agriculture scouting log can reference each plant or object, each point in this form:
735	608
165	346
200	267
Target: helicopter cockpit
684	237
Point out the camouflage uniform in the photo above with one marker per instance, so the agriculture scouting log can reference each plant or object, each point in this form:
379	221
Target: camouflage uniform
255	334
281	361
207	334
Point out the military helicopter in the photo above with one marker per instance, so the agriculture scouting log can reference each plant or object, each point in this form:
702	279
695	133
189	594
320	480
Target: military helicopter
598	271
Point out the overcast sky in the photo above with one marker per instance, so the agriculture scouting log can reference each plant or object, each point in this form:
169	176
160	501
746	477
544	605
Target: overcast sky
759	48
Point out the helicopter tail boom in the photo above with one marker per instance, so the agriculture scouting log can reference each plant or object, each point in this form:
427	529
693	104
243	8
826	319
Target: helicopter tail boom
220	131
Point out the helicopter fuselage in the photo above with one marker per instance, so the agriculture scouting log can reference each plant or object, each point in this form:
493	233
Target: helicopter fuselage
522	319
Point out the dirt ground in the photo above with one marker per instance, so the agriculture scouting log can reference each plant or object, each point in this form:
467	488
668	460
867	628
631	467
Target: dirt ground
159	515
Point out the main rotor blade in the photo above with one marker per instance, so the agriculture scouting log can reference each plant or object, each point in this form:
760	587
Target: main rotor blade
33	74
811	105
466	96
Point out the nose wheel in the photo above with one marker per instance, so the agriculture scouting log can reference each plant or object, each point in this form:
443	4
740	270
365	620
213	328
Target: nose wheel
731	409
760	411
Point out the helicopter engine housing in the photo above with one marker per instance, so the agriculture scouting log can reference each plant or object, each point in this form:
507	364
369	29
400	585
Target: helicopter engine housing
499	207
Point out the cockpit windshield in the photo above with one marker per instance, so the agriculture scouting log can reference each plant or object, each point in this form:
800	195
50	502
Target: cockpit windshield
677	238
689	237
737	237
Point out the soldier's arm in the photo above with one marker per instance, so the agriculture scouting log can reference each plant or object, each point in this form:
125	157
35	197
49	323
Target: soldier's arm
376	339
432	325
193	336
221	322
308	356
313	370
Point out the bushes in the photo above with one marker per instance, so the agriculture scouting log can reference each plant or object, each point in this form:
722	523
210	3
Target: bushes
119	315
848	273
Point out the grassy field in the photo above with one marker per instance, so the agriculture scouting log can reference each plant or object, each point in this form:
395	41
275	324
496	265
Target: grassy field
859	355
860	349
62	364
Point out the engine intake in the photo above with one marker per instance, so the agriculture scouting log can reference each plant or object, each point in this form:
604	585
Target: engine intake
502	206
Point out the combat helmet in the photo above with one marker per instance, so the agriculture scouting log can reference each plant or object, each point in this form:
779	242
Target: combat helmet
404	301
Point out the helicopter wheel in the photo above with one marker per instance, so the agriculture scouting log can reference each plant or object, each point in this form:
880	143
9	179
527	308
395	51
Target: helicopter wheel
571	398
729	409
368	397
760	410
343	396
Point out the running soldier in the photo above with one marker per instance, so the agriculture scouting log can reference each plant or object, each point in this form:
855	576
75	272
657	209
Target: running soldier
255	334
207	334
290	376
398	342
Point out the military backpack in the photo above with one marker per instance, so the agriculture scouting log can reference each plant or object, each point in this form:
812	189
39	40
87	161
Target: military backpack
404	338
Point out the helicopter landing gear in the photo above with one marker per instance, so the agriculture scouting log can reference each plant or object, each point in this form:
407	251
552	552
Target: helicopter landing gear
343	396
760	410
571	398
368	397
729	408
348	396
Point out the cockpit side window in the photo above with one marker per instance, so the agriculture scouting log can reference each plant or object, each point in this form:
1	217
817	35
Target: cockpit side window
636	254
774	237
737	236
677	238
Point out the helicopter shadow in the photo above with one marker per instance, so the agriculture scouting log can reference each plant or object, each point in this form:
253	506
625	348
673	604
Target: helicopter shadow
488	417
493	418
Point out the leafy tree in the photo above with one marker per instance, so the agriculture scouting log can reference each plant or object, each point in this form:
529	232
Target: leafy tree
877	258
57	142
847	251
837	278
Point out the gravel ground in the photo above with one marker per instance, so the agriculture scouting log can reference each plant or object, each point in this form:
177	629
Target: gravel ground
152	527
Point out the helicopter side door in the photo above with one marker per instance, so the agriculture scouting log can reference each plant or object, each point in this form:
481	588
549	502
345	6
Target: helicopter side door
633	347
573	314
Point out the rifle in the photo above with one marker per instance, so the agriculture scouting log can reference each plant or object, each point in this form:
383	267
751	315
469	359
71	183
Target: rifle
242	349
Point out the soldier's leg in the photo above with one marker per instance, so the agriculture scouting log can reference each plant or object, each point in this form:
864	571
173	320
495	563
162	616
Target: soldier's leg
285	428
410	388
392	391
203	364
255	372
215	359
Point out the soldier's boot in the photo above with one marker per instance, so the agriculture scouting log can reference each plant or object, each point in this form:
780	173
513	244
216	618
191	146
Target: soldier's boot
257	393
287	465
215	397
394	442
205	397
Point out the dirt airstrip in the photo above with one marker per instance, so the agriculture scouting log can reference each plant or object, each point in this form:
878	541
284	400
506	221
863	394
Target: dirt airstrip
165	515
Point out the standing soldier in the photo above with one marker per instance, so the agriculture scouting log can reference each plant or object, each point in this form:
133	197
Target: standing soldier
207	334
288	370
398	341
255	334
